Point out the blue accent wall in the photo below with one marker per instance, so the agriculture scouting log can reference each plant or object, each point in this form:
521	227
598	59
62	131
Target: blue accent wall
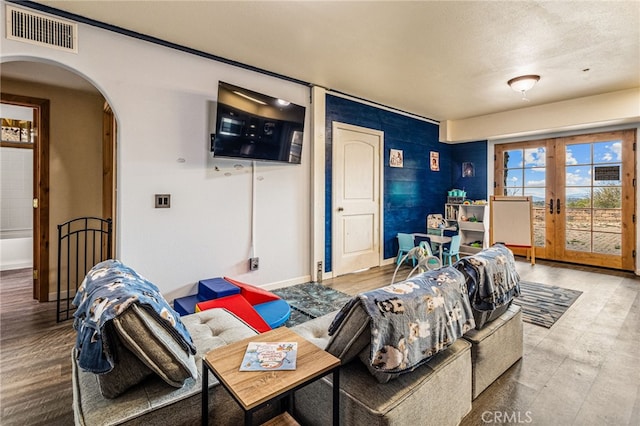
413	191
410	192
476	153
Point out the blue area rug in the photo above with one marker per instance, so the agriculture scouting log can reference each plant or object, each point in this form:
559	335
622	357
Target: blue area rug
544	304
310	300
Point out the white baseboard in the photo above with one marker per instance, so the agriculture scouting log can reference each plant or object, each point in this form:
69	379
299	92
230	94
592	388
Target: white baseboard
287	283
10	266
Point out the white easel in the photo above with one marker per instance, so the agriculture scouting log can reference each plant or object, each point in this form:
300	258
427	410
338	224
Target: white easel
512	223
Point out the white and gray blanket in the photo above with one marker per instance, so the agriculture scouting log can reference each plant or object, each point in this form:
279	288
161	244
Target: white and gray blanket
107	291
414	319
491	277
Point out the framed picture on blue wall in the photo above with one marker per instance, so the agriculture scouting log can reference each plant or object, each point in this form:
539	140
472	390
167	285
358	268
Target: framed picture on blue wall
434	161
468	170
395	158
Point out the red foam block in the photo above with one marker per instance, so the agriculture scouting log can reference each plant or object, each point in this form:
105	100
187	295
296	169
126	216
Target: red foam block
240	307
254	295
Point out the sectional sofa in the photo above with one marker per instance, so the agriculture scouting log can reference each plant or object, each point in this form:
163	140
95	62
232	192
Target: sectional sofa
436	391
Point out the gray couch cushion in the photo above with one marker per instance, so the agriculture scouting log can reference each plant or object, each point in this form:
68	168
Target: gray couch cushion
214	328
495	348
155	402
141	333
316	330
128	370
436	393
352	335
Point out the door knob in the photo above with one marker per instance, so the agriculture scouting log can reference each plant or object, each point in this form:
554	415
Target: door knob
340	209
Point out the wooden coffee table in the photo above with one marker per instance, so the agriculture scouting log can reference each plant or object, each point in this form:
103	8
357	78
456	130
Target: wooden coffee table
254	389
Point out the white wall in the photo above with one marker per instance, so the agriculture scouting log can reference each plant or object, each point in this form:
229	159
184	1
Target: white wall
591	112
163	101
16	253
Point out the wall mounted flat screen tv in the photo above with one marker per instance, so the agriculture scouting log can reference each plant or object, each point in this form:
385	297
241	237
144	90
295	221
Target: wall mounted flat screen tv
255	126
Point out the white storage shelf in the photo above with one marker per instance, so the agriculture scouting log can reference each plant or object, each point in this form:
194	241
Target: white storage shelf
476	230
471	226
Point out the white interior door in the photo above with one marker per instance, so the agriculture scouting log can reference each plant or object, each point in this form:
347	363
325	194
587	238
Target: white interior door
356	198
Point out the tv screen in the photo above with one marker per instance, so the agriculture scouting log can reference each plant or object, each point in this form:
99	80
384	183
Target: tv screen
255	126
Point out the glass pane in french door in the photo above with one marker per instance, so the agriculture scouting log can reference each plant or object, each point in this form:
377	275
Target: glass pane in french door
525	175
593	197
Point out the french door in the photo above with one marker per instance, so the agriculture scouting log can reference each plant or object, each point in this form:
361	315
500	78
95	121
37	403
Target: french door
583	190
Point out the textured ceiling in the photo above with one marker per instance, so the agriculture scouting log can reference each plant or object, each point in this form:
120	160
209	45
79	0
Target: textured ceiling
442	60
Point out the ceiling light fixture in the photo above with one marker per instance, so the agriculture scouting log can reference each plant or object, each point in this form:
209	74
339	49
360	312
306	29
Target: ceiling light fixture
523	84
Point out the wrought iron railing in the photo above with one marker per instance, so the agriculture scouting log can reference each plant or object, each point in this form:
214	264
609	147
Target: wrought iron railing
82	243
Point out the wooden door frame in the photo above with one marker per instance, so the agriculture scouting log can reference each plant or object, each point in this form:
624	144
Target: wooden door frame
109	187
626	260
555	174
335	125
40	190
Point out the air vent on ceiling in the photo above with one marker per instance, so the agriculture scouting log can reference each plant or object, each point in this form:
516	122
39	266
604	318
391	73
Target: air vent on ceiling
42	30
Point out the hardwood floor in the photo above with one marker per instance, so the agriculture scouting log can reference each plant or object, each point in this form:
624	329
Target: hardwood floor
35	366
582	371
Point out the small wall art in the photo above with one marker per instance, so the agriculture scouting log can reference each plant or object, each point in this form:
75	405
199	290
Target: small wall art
468	170
434	161
395	158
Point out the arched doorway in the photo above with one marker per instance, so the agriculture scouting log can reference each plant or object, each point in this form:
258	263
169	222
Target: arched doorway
74	171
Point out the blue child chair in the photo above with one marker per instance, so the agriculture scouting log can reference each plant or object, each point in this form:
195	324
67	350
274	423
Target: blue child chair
453	250
405	243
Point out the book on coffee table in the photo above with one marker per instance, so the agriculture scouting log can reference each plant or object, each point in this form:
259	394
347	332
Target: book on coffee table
270	356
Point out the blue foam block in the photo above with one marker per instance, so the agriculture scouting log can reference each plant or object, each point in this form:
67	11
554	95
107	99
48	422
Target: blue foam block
275	313
215	288
186	305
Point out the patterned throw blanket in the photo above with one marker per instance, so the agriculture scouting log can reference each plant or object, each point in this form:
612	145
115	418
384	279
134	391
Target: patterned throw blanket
414	319
106	292
492	277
